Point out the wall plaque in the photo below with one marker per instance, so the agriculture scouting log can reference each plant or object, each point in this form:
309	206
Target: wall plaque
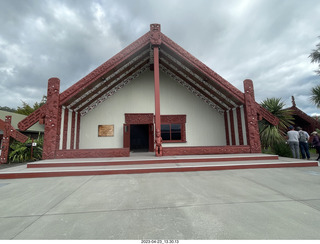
105	130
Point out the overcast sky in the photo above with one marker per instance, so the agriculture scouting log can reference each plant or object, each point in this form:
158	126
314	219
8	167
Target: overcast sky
268	41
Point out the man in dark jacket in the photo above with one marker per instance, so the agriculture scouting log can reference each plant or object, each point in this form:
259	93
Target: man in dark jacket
303	143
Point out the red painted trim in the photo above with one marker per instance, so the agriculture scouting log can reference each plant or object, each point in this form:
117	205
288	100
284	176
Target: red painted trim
152	170
226	124
93	153
187	57
239	120
139	118
152	161
59	128
173	151
78	131
104	68
233	135
65	128
38	115
73	124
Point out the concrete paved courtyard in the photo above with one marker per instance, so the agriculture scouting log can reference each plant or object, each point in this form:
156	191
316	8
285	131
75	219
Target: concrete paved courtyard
277	203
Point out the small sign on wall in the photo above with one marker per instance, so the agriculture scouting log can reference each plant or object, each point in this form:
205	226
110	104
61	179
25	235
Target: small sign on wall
106	130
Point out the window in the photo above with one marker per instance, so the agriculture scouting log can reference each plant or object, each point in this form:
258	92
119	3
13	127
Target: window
171	132
173	128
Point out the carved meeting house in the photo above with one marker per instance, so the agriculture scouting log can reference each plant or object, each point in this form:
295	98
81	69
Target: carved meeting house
152	96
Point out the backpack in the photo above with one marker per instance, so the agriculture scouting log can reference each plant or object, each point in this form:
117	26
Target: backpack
302	136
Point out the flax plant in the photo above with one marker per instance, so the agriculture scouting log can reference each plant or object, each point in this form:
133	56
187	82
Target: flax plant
272	135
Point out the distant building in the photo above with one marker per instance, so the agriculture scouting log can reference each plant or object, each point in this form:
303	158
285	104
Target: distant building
32	132
9	130
306	122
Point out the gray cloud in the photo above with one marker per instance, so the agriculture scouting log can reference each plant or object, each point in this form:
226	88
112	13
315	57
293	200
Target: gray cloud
268	41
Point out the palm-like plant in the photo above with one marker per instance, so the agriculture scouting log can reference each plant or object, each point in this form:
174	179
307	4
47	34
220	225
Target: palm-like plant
315	97
271	135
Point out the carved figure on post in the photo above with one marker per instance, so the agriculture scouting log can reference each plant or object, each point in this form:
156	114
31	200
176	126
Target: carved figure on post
158	143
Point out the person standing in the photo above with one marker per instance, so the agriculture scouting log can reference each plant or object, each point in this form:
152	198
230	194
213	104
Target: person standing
293	141
303	143
316	142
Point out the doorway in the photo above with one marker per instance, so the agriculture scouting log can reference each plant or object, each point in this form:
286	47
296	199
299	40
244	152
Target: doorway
138	134
139	138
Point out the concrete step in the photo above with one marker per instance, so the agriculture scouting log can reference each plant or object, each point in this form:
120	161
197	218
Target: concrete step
134	165
148	160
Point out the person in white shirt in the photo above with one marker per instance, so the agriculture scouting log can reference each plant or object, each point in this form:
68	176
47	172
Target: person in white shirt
293	141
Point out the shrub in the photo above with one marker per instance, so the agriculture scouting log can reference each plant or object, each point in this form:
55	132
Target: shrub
21	152
282	149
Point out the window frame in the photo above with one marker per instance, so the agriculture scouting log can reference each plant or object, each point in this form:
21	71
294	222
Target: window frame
174	120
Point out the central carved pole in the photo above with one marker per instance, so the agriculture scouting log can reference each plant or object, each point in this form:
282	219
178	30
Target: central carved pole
155	39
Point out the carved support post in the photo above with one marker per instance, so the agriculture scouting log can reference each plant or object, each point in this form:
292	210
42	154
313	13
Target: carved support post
65	128
78	131
59	128
5	140
239	126
233	136
52	118
155	39
226	125
253	136
73	128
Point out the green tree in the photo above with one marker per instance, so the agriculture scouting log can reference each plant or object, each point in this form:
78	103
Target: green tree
26	109
6	108
272	135
315	95
315	57
315	91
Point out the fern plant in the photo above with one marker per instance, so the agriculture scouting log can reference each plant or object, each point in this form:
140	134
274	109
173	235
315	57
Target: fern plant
21	152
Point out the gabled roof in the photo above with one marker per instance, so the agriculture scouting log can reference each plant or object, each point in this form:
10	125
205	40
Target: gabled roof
128	64
15	118
137	58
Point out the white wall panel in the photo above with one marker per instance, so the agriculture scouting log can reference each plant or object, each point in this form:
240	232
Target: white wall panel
204	127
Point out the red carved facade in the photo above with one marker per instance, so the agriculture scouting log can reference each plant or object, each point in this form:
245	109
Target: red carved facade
172	151
93	153
158	52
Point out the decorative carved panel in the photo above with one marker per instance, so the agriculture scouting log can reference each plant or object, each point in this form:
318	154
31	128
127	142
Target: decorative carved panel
172	151
93	153
174	119
139	118
33	118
